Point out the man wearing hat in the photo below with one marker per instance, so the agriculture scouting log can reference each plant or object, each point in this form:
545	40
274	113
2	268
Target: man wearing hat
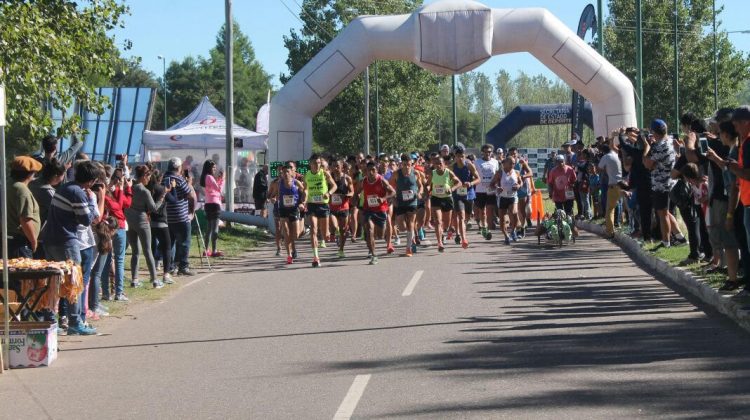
445	151
23	210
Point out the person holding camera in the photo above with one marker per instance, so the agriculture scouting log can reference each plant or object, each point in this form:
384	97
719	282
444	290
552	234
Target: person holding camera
23	209
139	228
180	215
74	203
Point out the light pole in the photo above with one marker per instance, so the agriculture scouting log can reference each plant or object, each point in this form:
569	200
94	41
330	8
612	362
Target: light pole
164	86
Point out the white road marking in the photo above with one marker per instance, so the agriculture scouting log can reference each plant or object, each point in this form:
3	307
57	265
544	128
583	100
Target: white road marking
199	279
413	283
347	407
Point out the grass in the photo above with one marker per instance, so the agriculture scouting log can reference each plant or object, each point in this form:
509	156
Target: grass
234	241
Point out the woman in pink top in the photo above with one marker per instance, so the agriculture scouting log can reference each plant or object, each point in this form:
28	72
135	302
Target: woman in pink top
212	206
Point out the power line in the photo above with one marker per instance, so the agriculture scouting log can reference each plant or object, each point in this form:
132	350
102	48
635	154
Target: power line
314	19
300	20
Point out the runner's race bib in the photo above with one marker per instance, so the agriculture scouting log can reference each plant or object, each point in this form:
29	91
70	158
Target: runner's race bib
407	195
570	195
373	201
508	193
288	200
439	190
336	200
318	199
462	191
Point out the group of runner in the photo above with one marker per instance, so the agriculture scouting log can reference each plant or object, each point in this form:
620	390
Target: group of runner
378	198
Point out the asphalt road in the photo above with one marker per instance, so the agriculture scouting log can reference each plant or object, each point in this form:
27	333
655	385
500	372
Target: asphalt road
489	332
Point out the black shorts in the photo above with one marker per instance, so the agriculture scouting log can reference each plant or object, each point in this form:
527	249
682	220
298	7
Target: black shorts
212	211
340	213
420	204
402	210
290	213
276	212
260	203
505	203
461	203
443	203
567	206
484	199
378	217
318	210
660	200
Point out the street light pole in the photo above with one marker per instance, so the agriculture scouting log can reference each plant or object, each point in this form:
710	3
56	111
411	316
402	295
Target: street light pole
600	26
164	86
676	72
377	111
716	64
455	122
229	105
639	60
367	111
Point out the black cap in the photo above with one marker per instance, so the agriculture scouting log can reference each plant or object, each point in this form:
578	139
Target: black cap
741	113
458	149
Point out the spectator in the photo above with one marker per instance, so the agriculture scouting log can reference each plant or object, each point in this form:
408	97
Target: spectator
87	240
741	168
611	165
139	229
117	200
23	210
260	191
179	216
633	145
659	158
74	203
161	242
690	210
212	206
43	188
549	164
49	150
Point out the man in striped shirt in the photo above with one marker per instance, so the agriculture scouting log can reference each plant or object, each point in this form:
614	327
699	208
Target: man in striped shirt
179	216
73	204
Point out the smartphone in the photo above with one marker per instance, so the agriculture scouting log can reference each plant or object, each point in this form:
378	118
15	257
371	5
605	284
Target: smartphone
703	145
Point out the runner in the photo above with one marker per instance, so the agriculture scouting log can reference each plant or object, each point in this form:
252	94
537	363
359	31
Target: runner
463	197
562	179
375	191
319	186
356	176
422	202
508	182
340	202
521	165
293	196
273	197
485	201
409	188
441	183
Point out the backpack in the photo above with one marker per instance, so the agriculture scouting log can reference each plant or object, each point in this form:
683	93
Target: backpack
681	194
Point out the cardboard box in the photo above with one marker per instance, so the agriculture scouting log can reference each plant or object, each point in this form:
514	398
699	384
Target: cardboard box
32	344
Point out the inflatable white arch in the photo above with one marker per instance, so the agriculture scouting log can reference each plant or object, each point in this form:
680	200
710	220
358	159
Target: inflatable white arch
446	37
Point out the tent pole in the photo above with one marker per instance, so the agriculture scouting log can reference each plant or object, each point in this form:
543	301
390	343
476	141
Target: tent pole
4	234
229	55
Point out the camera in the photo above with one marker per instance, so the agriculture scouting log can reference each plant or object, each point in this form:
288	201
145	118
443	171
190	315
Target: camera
703	145
119	157
97	187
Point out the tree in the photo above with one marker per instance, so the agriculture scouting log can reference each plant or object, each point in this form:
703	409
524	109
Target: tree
129	73
408	106
189	80
54	51
695	56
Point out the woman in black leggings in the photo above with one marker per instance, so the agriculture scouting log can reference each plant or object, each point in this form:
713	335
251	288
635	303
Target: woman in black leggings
161	242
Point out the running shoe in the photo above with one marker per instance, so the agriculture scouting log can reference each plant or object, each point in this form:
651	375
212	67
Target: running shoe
458	239
464	244
408	253
341	254
289	259
488	236
390	249
81	329
217	254
322	244
373	260
420	234
157	284
398	240
414	248
294	254
450	235
316	262
441	248
507	240
167	279
278	252
514	237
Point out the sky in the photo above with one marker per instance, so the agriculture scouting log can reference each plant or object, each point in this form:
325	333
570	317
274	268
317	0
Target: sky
176	30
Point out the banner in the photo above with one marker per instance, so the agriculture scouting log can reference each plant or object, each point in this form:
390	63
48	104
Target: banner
587	21
262	121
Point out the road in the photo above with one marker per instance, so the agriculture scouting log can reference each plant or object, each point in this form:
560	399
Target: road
490	332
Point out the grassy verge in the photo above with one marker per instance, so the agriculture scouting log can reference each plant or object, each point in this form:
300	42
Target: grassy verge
233	241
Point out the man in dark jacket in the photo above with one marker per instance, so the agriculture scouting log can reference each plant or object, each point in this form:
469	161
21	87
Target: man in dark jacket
260	191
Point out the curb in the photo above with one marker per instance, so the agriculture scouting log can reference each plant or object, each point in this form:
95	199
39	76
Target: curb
684	278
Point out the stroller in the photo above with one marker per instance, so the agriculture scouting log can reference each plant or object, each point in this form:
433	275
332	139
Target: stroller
556	229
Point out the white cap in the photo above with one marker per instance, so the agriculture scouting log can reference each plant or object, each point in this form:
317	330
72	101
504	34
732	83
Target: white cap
175	163
499	150
445	147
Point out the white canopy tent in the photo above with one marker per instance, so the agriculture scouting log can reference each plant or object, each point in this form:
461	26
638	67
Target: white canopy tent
202	135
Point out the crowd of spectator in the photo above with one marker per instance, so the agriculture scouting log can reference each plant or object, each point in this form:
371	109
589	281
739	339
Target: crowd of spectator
649	180
63	206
